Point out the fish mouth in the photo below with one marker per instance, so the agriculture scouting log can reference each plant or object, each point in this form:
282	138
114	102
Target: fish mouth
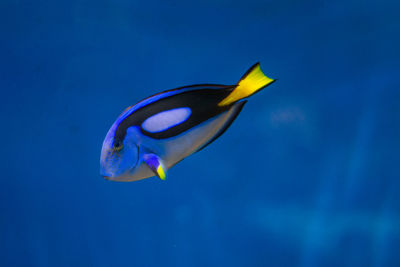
106	174
112	178
118	178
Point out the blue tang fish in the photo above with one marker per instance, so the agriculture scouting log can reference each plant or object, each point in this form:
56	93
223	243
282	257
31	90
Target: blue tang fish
158	132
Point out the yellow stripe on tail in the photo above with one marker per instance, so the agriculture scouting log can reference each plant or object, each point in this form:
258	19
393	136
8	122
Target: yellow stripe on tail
251	82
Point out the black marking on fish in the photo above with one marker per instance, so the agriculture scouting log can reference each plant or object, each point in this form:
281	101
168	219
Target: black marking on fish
203	102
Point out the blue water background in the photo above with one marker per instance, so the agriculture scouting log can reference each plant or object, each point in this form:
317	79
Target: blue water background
308	175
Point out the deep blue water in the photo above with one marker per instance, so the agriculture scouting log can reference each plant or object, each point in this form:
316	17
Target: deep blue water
308	175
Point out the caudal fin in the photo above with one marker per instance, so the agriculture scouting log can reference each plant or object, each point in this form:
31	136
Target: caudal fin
251	82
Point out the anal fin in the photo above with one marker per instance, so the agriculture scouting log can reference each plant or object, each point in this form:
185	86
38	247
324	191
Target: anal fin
237	108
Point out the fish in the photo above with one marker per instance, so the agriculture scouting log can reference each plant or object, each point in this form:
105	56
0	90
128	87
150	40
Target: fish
158	132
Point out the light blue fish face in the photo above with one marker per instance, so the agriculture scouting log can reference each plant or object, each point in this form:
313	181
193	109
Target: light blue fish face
118	157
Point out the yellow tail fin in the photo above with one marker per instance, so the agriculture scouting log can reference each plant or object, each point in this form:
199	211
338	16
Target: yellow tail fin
251	82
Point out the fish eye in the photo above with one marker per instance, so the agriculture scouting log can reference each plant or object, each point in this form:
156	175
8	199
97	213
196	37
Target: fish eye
117	145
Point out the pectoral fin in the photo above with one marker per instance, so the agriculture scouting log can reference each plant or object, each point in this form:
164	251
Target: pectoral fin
156	165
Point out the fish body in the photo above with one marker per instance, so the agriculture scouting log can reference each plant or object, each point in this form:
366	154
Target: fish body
158	132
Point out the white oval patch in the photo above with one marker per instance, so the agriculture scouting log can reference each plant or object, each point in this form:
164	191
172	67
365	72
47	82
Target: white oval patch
166	119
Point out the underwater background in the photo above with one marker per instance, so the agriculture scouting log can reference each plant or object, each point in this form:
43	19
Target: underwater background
308	174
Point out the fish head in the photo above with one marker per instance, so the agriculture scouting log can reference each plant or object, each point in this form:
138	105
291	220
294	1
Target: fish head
119	157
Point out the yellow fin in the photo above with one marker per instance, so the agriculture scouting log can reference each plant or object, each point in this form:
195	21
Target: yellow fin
161	173
251	82
155	164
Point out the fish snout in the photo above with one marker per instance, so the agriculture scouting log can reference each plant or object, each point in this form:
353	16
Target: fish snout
106	173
